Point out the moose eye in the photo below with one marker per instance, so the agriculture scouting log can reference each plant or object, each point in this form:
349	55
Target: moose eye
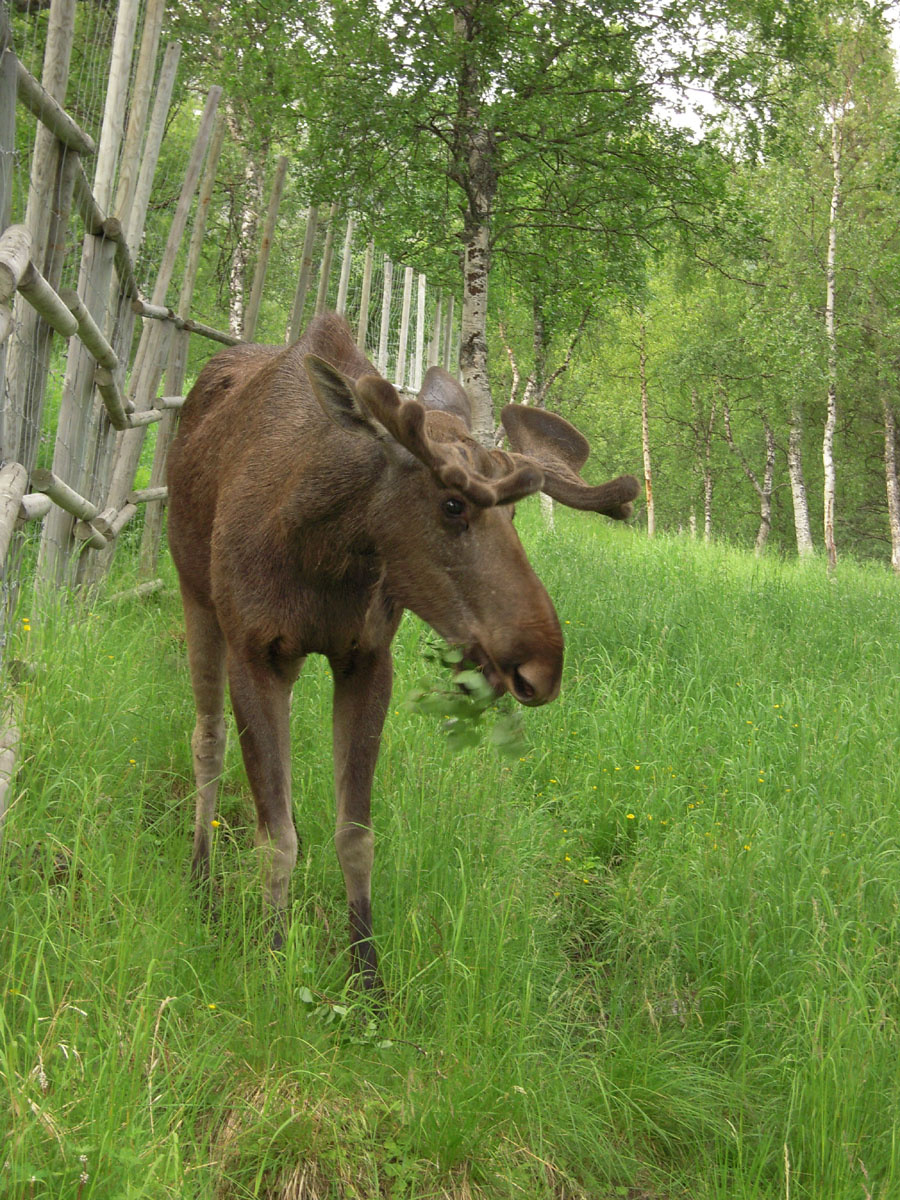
453	507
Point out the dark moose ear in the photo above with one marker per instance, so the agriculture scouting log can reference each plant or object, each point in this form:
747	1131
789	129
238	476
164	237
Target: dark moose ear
338	397
561	451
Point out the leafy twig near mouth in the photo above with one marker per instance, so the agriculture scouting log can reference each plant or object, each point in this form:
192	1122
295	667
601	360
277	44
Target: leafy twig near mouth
467	705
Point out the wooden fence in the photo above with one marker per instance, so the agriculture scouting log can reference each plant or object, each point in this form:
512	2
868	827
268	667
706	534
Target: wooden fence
109	395
70	294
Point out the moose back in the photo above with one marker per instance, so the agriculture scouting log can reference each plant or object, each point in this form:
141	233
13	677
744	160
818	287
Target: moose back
308	507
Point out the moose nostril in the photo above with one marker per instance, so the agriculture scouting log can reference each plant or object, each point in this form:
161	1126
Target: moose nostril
523	690
536	681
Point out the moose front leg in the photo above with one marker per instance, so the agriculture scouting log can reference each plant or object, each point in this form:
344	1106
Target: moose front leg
206	655
261	698
362	692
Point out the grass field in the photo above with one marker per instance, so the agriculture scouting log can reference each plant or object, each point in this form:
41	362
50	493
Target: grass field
652	956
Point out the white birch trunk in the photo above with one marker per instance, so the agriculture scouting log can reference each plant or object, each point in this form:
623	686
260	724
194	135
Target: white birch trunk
707	476
251	316
891	481
249	220
830	334
473	338
645	433
765	495
802	527
475	171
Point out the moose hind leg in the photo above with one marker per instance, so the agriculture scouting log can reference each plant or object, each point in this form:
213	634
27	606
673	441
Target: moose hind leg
362	691
206	655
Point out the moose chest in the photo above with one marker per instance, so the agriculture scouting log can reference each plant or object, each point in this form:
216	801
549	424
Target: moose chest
283	604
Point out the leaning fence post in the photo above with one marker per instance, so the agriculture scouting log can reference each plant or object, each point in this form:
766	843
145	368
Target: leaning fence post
93	286
400	372
134	219
325	269
131	205
448	327
344	283
363	322
387	288
7	152
141	94
13	482
178	353
306	262
420	335
7	116
140	200
149	364
52	179
434	346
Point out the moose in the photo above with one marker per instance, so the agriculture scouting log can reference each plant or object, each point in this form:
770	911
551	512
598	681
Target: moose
309	505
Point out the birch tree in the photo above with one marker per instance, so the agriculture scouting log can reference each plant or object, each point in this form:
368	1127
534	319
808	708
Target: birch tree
487	118
645	427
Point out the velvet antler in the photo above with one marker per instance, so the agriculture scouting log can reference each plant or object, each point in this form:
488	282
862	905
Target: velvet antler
561	451
405	422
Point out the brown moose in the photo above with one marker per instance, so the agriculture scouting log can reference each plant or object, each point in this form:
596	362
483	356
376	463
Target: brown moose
308	507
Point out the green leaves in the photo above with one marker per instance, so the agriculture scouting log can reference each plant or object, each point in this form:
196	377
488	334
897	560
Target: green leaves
470	712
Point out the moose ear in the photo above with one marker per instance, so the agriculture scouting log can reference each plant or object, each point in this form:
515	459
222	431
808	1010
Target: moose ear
442	393
561	451
338	397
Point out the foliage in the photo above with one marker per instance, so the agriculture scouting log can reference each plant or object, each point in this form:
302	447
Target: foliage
464	706
611	206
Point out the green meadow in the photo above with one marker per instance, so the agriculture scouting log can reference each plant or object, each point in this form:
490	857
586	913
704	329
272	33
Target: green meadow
654	954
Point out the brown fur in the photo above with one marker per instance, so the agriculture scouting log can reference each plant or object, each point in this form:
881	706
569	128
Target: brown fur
308	507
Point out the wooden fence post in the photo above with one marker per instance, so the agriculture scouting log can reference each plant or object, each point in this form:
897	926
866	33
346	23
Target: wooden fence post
325	269
362	326
152	534
7	116
387	288
136	215
306	262
401	368
341	306
125	208
131	204
51	183
93	286
149	365
7	154
420	335
434	346
448	326
133	221
141	94
9	748
251	316
13	482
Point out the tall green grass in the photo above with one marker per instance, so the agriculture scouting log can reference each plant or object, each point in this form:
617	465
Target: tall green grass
654	955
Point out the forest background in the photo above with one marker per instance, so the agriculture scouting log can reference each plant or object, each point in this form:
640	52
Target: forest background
665	964
677	224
